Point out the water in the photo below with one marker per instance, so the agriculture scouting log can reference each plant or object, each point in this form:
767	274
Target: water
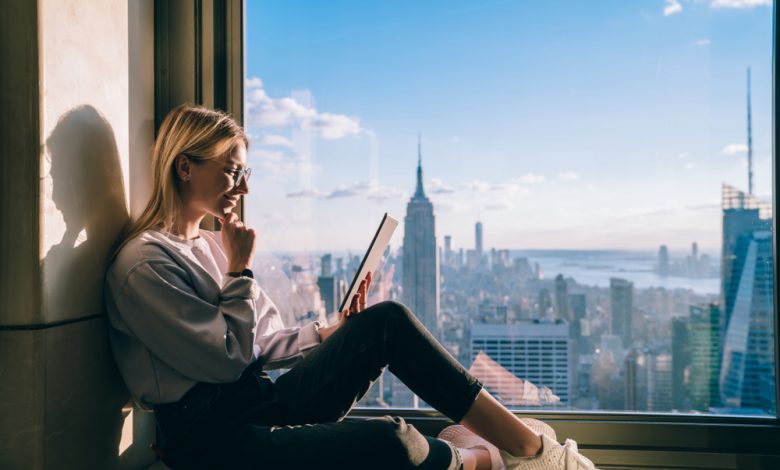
595	268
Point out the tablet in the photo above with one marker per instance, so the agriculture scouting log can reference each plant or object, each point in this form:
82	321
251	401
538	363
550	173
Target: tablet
371	260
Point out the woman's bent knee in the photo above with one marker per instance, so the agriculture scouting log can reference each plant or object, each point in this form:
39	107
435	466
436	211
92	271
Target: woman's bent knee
411	445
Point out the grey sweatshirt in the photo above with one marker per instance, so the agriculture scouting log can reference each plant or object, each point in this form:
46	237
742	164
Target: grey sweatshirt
175	318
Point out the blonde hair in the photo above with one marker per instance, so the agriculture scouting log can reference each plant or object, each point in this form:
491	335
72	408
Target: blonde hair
200	134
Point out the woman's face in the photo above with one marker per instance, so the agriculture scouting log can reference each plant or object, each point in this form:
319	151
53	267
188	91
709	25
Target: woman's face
211	187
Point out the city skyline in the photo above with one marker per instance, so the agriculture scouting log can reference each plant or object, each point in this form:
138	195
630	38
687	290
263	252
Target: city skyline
589	138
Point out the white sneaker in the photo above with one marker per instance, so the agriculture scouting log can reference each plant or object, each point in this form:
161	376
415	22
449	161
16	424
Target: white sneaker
553	456
462	438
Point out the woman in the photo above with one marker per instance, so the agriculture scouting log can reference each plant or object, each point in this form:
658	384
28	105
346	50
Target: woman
192	333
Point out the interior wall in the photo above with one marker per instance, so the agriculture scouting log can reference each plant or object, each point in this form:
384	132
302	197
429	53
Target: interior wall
88	133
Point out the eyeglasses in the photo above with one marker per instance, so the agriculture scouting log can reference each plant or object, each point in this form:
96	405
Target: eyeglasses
240	173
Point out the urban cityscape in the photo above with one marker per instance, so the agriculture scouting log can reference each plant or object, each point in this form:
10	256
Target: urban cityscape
554	343
582	227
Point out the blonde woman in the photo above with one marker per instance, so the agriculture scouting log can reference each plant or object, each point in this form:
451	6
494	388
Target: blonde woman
193	334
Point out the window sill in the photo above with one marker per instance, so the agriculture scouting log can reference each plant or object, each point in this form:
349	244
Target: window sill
645	440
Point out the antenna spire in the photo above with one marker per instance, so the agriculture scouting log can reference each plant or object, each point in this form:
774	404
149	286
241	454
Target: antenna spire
749	137
419	191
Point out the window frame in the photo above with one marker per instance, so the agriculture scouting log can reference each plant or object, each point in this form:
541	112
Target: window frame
206	38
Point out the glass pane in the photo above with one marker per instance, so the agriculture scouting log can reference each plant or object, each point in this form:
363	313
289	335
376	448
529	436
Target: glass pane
584	189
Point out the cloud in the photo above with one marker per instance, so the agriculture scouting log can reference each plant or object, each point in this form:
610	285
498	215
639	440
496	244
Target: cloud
672	7
436	186
529	178
497	206
689	166
364	189
740	3
306	193
334	126
568	176
733	149
264	111
356	189
276	140
271	163
702	42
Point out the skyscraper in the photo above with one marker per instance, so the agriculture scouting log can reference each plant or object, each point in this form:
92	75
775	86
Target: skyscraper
562	299
448	250
681	362
420	280
663	261
577	304
622	305
535	351
747	376
704	338
478	238
743	215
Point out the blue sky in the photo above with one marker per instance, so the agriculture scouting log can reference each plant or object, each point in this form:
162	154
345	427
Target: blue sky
557	124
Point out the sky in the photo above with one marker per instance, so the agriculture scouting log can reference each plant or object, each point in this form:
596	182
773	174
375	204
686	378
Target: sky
558	124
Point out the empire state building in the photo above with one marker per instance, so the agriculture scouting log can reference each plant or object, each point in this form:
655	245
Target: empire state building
420	282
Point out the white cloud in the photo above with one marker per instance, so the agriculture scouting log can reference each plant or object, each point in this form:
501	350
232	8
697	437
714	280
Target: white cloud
568	176
313	193
733	149
498	206
277	140
740	3
264	111
690	166
357	189
702	42
334	126
437	186
529	178
272	163
478	186
364	189
671	7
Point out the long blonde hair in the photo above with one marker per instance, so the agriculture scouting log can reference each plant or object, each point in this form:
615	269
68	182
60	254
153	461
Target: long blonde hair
201	134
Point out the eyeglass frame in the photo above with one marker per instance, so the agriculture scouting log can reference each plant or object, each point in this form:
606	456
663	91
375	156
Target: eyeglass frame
238	174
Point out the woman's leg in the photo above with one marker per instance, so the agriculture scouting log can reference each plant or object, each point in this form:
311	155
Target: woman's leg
325	385
380	443
493	422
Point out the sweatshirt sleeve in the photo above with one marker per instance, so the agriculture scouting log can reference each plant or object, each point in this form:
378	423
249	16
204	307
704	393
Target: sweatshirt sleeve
206	342
284	347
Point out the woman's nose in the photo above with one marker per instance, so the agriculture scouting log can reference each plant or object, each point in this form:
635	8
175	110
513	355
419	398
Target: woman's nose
243	185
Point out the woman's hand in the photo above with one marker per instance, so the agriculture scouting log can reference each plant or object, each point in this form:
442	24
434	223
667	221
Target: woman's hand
358	304
239	243
359	299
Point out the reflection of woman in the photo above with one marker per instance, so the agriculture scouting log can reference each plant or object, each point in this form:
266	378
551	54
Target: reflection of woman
193	332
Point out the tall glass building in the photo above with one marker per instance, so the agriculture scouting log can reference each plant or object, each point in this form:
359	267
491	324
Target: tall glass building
747	374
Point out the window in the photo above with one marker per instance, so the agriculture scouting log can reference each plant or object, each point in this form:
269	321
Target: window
601	206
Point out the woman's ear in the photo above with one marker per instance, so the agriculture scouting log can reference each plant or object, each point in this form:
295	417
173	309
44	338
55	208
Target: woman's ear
183	167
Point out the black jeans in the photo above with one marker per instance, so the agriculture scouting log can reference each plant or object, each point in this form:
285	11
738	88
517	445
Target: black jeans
295	422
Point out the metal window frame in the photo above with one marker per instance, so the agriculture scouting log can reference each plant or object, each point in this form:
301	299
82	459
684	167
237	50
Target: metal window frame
206	65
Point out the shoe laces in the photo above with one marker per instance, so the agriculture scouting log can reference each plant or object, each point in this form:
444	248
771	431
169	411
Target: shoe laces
573	458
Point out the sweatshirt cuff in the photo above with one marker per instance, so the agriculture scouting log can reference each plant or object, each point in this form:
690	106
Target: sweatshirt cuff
308	337
241	287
